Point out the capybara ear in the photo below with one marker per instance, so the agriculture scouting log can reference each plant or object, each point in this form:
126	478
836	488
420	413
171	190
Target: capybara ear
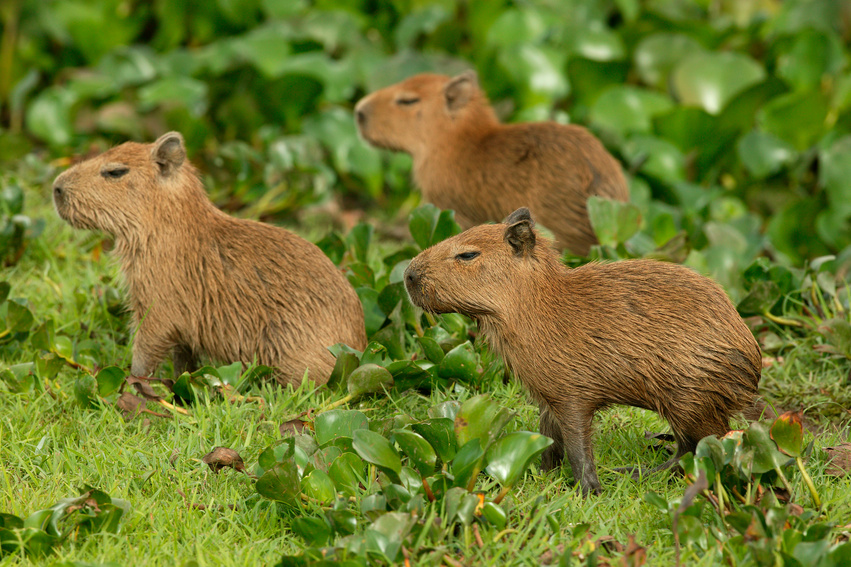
519	233
459	90
169	153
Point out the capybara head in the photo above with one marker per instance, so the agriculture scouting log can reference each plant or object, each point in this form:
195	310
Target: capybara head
406	116
122	188
471	273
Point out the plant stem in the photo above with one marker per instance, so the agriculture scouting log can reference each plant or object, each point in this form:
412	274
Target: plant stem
781	320
809	482
173	407
501	495
344	400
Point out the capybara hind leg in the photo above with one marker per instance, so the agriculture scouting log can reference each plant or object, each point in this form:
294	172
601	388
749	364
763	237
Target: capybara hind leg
554	454
148	352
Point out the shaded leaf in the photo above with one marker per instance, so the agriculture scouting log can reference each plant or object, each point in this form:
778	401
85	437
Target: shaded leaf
222	457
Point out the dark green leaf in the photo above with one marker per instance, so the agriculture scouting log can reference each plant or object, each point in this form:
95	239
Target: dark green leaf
787	432
510	456
375	449
369	379
440	433
419	451
335	424
480	418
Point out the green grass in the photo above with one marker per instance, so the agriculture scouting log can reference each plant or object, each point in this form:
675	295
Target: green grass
51	447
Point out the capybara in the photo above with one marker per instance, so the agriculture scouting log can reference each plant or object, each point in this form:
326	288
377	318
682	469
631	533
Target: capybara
637	332
201	282
465	160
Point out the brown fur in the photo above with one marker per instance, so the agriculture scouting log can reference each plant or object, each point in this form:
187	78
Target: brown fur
465	160
639	332
201	282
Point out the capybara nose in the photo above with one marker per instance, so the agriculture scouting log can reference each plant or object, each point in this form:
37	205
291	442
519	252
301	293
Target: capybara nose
58	192
361	116
412	277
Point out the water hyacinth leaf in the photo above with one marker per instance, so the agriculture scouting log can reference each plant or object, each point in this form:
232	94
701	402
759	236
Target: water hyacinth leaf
314	531
346	472
343	522
273	455
711	79
48	365
375	353
409	374
324	457
480	418
281	483
369	379
373	315
419	451
5	288
835	171
109	379
429	225
798	117
659	158
431	349
626	109
467	508
18	317
656	55
763	295
376	449
85	390
345	364
359	240
787	432
764	154
509	457
448	409
335	424
614	222
459	363
440	433
318	485
495	514
467	463
766	456
711	448
44	336
814	54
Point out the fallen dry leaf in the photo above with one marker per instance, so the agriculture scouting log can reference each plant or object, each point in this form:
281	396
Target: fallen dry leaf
840	459
130	405
221	457
291	427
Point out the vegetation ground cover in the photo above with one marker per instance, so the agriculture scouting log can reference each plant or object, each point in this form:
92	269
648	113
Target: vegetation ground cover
749	185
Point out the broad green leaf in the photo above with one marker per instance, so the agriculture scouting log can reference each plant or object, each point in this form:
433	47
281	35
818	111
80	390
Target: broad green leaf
614	222
344	522
5	288
18	316
345	364
659	158
375	353
369	379
814	56
373	315
190	93
315	531
460	363
429	225
440	433
711	79
764	154
835	171
480	418
49	116
495	514
346	471
467	462
420	453
626	109
762	296
448	409
318	485
43	338
109	379
336	424
656	55
766	456
359	240
787	432
376	449
85	390
597	44
509	457
431	349
798	118
280	483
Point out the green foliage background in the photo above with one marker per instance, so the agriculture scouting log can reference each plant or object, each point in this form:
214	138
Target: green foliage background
741	106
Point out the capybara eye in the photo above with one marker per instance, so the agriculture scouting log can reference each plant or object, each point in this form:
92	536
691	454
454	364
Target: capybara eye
407	101
467	255
115	172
